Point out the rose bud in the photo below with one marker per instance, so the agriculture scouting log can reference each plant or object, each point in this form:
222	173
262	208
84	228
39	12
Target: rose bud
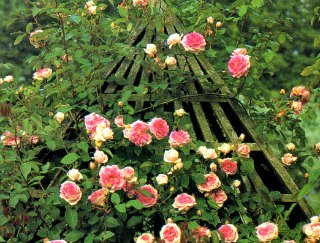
218	24
92	165
92	10
174	39
100	157
236	183
288	159
162	179
290	146
151	49
282	91
59	117
242	137
1	81
170	61
75	175
171	156
8	79
180	112
210	20
225	148
213	167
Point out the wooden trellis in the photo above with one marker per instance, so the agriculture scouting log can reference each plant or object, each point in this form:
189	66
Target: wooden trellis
213	118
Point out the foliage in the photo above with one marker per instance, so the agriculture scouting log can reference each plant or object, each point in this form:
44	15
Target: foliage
81	49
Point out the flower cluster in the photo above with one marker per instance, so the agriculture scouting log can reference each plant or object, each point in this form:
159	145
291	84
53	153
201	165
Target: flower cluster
301	97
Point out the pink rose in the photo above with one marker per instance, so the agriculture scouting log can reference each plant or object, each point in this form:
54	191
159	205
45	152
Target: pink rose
8	139
312	230
201	232
212	182
145	238
100	157
70	192
305	97
184	202
170	233
229	232
137	3
119	121
229	166
179	138
296	107
288	159
128	173
111	177
98	197
129	189
159	128
239	65
171	156
267	232
244	150
42	74
219	196
138	133
93	120
194	42
33	139
147	195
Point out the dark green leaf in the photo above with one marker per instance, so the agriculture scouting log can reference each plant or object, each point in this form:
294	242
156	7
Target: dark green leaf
71	217
115	198
69	158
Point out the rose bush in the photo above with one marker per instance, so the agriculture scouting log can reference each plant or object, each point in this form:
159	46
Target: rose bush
130	179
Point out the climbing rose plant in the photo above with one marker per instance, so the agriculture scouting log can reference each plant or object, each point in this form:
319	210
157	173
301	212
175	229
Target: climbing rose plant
77	167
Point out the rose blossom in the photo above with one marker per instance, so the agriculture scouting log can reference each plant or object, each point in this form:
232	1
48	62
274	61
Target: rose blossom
305	97
229	232
100	157
128	173
209	154
288	159
218	24
184	202
174	39
56	241
290	146
171	156
236	183
138	133
140	3
89	4
225	148
298	91
210	20
179	138
70	192
267	232
98	197
147	195
111	177
219	196
194	42
8	139
229	166
119	121
151	49
239	65
92	120
244	150
213	167
59	117
75	175
212	182
8	79
42	74
296	107
201	232
312	230
170	233
159	128
145	238
162	179
180	112
170	61
33	39
92	10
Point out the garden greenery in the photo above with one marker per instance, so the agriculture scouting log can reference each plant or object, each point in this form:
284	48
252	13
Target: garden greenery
79	167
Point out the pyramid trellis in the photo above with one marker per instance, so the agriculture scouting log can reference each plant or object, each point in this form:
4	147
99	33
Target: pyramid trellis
213	117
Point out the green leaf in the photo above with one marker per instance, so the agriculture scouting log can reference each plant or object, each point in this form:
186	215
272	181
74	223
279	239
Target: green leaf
134	221
243	10
111	222
135	204
115	198
29	27
71	217
121	208
107	235
89	238
19	39
247	166
27	127
83	146
185	181
3	220
25	169
69	158
51	144
75	18
198	178
74	236
306	189
257	3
